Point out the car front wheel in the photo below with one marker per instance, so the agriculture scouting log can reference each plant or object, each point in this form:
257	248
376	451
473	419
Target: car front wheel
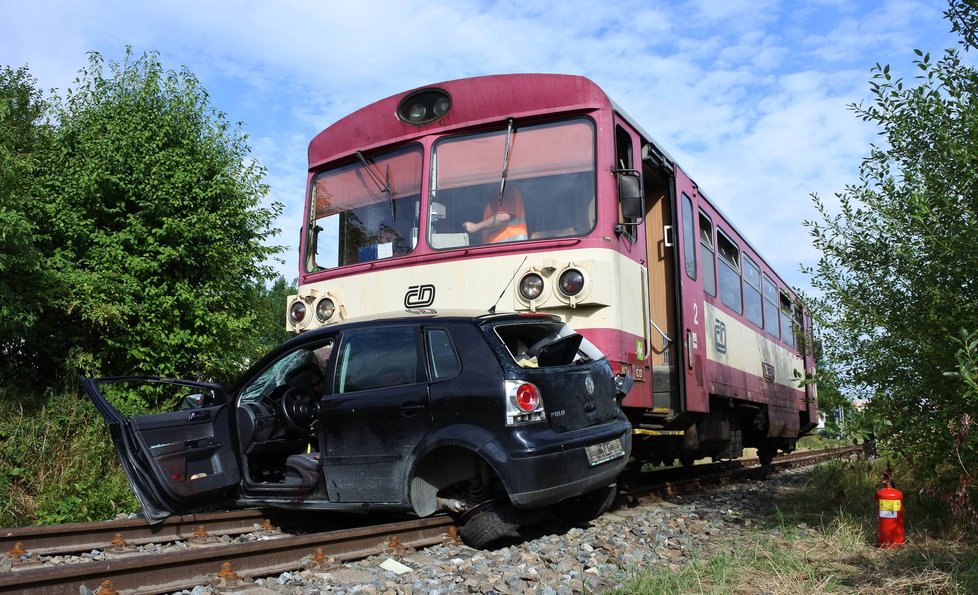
489	525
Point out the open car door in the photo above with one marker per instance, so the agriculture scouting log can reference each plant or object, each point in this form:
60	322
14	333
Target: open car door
175	461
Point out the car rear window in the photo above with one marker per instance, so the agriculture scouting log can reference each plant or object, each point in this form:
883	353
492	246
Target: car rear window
545	344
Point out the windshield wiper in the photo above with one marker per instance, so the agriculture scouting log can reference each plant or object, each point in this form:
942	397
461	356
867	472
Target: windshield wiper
509	147
383	184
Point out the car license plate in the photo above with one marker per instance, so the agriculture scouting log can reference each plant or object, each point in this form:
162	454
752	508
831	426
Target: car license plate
604	452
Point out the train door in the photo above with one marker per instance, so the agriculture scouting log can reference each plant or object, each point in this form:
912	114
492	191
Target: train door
662	315
692	337
653	234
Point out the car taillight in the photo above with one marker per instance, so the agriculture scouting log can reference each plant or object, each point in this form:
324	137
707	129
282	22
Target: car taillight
527	397
524	403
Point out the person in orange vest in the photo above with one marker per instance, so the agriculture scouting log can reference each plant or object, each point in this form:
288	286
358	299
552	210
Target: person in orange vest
504	222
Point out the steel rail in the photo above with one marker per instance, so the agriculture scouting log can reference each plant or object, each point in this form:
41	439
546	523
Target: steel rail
79	537
162	573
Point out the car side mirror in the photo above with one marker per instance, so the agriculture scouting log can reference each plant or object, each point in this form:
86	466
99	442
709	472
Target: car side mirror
631	196
195	401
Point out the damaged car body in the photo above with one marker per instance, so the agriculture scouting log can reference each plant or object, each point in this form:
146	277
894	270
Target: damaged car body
481	415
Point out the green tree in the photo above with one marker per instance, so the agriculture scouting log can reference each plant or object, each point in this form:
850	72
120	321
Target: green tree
897	276
152	219
23	279
269	329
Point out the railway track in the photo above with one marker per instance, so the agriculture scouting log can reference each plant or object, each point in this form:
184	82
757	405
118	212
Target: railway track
679	480
210	560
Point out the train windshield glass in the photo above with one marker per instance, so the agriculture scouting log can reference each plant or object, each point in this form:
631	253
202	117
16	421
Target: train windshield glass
367	210
546	173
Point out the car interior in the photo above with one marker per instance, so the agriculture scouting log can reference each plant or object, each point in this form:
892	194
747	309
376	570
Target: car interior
277	415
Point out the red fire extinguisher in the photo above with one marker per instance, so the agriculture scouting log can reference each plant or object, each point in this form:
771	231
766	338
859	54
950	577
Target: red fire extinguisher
889	503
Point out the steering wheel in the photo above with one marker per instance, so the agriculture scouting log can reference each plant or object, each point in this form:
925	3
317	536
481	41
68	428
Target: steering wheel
300	410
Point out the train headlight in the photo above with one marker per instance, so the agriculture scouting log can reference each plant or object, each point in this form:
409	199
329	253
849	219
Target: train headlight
441	106
531	286
426	105
324	309
297	312
571	282
416	112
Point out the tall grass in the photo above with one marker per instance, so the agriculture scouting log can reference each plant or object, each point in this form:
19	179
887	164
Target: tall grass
57	463
821	537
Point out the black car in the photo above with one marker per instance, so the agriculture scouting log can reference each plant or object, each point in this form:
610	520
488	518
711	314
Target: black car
482	415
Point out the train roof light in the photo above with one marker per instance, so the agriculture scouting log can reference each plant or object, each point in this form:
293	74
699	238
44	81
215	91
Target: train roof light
426	105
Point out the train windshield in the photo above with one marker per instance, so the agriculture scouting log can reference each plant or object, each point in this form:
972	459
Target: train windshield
366	211
531	182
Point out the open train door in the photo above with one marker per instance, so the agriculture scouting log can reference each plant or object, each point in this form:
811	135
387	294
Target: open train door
692	317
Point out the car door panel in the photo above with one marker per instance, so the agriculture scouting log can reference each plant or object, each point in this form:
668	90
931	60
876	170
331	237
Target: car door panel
370	436
189	451
376	415
175	461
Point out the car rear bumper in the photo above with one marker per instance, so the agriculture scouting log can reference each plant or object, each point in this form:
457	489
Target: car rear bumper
548	473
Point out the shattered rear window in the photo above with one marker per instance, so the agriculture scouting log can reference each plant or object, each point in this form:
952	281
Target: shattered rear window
546	344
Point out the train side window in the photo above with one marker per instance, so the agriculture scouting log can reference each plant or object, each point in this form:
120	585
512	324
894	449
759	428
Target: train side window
689	237
706	255
753	307
801	338
729	273
786	333
771	307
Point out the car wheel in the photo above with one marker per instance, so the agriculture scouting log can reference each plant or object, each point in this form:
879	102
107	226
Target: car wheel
765	455
492	524
587	507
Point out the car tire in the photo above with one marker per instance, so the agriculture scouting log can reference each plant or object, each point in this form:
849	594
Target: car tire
490	525
586	507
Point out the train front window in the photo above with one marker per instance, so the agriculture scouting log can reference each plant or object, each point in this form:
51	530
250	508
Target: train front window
545	172
367	210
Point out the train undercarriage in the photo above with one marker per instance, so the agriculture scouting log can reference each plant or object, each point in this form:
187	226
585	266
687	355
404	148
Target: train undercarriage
730	427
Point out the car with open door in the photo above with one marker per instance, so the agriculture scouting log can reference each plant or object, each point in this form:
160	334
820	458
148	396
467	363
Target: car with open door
487	416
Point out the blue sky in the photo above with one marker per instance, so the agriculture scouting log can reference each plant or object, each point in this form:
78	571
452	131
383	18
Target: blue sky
749	96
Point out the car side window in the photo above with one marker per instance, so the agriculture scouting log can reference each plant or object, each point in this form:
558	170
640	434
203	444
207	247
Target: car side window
303	366
442	359
376	357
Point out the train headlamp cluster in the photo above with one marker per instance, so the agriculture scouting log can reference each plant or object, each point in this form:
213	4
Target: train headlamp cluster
310	311
539	287
426	105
